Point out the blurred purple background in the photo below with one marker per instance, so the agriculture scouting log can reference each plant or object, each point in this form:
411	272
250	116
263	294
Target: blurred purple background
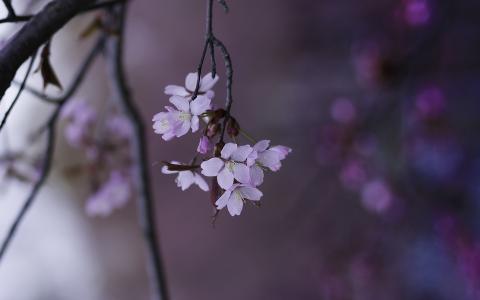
379	198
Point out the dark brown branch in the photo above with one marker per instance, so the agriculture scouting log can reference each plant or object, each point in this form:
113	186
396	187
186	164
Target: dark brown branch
229	72
104	4
34	34
8	5
19	93
121	93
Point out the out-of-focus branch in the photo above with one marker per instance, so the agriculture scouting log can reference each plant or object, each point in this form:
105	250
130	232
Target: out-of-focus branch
36	188
50	130
33	34
121	93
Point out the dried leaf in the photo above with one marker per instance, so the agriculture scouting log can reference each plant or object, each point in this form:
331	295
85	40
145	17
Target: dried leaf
48	74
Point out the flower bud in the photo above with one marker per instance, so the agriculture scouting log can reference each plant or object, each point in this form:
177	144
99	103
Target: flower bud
212	129
204	145
233	128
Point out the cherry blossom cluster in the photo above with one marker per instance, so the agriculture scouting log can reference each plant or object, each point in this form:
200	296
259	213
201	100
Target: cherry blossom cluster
106	144
238	170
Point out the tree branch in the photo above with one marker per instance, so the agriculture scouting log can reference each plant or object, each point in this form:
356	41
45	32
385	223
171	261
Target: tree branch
35	33
104	4
121	93
19	93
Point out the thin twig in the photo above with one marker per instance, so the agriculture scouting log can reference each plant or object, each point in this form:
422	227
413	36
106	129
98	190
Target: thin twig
19	93
229	72
105	4
146	202
36	188
207	44
35	33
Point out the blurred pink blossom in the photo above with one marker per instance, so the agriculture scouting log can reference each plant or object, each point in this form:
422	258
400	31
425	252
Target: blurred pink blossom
430	103
416	12
111	195
343	111
377	196
353	175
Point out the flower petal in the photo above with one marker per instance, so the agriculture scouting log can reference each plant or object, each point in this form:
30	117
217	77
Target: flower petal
261	145
200	105
282	151
182	128
194	123
168	136
235	204
180	103
270	159
241	173
256	175
225	179
185	179
241	153
208	81
191	81
212	166
210	94
223	200
175	90
228	149
200	181
252	157
250	193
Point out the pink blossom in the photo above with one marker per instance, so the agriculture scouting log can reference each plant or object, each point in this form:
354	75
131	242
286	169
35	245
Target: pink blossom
430	103
119	127
113	194
353	174
204	145
417	12
264	157
206	85
234	197
376	196
343	111
231	165
185	179
177	122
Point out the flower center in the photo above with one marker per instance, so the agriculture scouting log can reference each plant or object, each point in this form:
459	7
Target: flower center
230	164
164	124
184	116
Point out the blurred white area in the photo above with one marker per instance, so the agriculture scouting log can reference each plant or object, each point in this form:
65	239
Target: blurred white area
52	255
